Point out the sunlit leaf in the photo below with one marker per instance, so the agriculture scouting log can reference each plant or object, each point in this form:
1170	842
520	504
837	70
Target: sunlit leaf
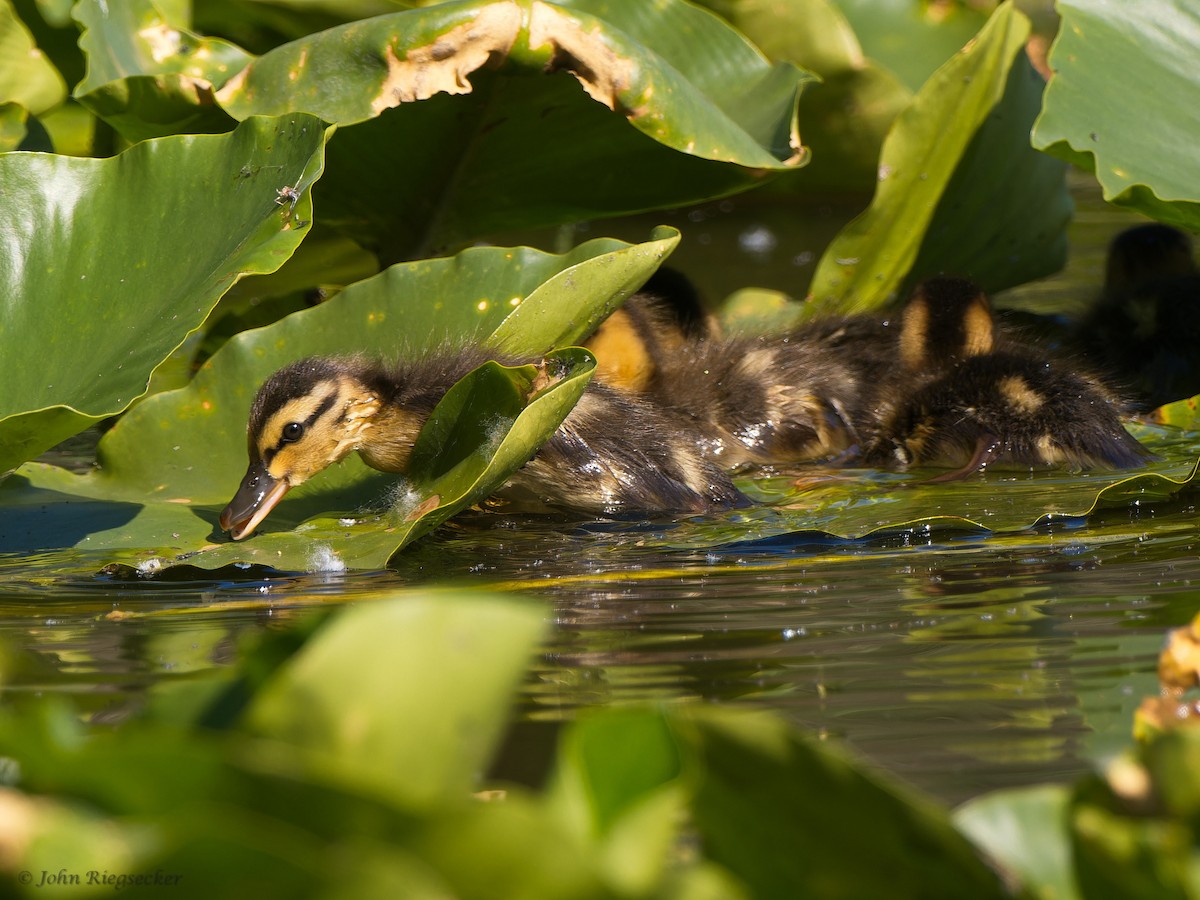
370	725
109	264
524	112
148	77
930	182
1100	115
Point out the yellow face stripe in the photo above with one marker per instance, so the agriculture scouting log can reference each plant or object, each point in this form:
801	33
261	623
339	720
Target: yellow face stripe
305	410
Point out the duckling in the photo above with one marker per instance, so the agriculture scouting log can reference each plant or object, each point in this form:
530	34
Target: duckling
760	400
632	344
968	396
772	399
1146	324
613	454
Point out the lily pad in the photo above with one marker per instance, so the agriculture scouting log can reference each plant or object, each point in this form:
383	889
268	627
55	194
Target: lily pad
370	727
111	263
26	76
1098	114
924	203
147	77
524	111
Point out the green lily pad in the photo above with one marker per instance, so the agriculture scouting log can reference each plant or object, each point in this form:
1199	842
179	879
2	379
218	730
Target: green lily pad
147	77
524	113
26	76
111	263
931	192
1098	114
843	117
369	727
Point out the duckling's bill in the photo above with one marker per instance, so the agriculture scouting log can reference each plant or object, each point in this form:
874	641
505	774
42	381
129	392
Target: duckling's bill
258	495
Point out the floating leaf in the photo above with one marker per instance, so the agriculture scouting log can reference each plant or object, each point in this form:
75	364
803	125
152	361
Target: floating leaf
524	112
1098	115
111	263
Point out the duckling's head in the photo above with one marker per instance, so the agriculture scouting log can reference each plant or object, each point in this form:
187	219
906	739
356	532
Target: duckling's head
306	417
1145	253
946	321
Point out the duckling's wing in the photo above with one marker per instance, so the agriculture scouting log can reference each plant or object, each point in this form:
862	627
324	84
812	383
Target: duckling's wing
618	454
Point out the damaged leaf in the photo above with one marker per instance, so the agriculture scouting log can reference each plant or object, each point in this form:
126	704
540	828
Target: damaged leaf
524	111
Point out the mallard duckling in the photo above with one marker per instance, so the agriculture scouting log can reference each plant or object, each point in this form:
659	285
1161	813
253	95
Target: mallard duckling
613	454
633	344
773	399
1146	325
760	400
968	396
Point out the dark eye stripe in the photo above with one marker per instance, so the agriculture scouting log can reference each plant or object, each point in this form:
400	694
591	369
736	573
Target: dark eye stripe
322	408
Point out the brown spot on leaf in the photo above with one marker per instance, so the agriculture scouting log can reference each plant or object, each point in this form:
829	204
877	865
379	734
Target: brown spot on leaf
603	73
443	66
429	504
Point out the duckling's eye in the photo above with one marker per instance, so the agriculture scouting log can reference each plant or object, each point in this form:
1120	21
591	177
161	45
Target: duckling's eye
292	432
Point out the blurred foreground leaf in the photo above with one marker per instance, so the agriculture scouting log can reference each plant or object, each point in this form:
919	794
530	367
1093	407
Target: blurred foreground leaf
373	727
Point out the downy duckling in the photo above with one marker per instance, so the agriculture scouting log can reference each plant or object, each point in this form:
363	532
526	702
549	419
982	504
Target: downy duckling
1146	325
771	399
969	396
633	344
614	453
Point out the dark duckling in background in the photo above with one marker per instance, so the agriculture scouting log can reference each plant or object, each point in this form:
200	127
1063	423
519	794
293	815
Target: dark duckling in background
615	453
968	396
1145	328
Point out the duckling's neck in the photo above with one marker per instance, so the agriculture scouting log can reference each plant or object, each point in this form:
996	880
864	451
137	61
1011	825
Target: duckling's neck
386	409
385	435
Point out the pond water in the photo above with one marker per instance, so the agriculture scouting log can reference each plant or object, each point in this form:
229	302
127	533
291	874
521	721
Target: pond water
961	661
